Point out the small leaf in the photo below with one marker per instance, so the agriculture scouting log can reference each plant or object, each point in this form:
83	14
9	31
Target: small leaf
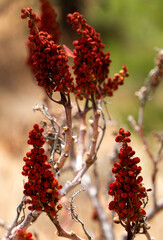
68	51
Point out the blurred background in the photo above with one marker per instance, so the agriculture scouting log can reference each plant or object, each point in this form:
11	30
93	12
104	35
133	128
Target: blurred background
131	32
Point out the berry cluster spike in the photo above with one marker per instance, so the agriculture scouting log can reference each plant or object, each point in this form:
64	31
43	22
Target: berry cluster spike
91	64
42	187
49	61
48	21
127	189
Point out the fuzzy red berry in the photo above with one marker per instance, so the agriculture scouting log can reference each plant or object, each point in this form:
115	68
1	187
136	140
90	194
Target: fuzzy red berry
127	190
91	64
49	61
42	187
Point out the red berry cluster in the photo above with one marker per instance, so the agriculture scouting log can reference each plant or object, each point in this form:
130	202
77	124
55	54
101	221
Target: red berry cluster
49	61
112	84
21	234
48	24
27	12
90	62
48	21
127	189
42	187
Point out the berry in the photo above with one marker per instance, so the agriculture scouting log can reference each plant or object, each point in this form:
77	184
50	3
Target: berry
42	188
127	189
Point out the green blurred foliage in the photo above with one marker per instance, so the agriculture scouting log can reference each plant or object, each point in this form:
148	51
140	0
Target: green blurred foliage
131	31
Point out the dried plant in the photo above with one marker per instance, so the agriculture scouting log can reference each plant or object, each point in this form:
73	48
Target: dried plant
56	150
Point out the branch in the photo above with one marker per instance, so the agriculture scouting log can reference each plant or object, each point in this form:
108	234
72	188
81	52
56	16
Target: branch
92	151
93	194
103	128
68	137
140	131
155	161
31	217
44	111
74	215
152	212
16	222
147	234
154	78
61	232
90	159
155	170
66	102
82	133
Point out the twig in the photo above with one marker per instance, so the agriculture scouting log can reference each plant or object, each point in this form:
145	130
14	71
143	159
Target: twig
152	212
76	181
66	102
103	220
155	170
44	111
90	159
147	234
63	233
74	215
68	136
92	151
153	80
140	131
51	98
103	128
82	133
31	218
16	222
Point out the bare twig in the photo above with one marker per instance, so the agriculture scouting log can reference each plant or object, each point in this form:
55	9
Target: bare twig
148	236
63	233
82	133
92	151
144	94
140	131
102	133
52	99
103	220
74	215
31	218
68	136
55	127
152	81
16	222
90	159
155	170
103	128
152	212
